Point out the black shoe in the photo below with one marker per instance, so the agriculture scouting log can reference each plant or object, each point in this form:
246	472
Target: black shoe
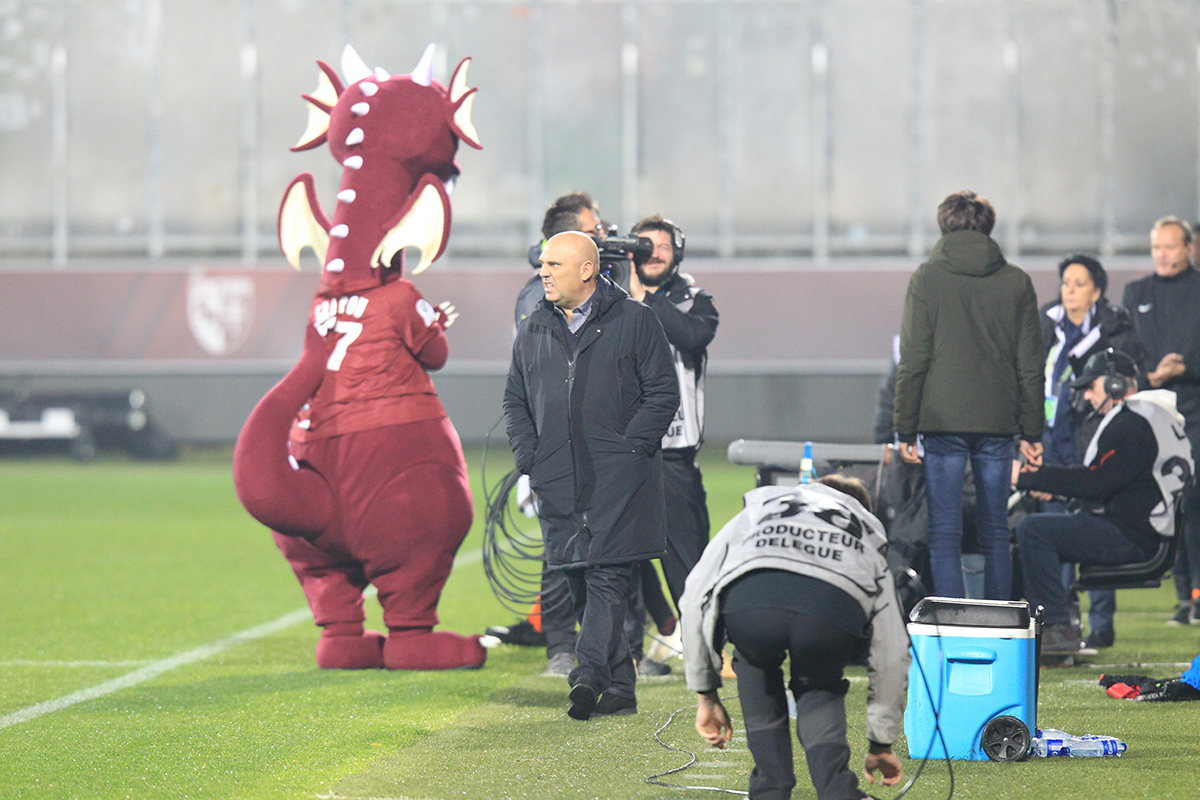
583	701
519	633
612	705
1097	639
1060	640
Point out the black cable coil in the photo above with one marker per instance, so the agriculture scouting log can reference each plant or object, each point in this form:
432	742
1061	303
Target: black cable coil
512	555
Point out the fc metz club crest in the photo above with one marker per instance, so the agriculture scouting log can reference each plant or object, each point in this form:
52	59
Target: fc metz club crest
220	311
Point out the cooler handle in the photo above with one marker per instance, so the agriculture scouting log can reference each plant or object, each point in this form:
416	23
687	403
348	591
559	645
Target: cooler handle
971	655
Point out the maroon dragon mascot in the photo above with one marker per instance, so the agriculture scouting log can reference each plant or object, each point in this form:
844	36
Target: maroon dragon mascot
350	460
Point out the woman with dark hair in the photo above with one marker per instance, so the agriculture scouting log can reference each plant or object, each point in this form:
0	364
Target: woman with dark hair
1081	322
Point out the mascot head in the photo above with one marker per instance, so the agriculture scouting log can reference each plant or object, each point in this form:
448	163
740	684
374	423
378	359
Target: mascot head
395	137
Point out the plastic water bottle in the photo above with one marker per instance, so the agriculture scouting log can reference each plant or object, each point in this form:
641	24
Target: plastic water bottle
1057	743
806	465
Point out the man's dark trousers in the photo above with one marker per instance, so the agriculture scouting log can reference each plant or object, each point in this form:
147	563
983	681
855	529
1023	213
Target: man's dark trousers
1047	541
601	596
687	517
1187	562
558	613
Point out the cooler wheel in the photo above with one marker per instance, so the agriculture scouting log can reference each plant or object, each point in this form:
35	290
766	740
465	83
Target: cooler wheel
1006	739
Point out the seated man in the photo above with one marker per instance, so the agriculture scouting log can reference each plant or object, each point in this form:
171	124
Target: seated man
1135	468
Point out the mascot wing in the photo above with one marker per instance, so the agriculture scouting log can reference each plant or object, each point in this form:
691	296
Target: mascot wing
423	223
302	222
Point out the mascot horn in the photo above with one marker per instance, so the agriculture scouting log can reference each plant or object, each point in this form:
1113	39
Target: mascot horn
350	459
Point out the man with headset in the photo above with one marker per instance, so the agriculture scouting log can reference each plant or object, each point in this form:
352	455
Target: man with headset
689	317
1133	474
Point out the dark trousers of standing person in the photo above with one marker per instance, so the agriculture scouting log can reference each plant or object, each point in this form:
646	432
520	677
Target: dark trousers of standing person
687	517
601	596
1187	560
1047	541
945	458
558	613
819	628
645	597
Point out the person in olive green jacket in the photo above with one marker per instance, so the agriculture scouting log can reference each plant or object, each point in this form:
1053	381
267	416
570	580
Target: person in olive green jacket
969	381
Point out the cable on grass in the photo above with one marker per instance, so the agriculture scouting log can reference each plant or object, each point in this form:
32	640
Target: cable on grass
512	555
937	728
653	779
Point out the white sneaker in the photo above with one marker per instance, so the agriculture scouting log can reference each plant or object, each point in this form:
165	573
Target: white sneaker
560	665
664	647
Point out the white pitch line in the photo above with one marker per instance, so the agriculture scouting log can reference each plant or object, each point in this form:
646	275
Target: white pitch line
154	669
26	663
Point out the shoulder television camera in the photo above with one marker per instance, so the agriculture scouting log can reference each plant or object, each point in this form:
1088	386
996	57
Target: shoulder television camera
615	252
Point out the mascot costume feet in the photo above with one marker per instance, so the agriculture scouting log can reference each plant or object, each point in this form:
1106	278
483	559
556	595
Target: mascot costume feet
350	460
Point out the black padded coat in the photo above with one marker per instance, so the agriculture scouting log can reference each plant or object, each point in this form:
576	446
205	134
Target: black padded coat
586	424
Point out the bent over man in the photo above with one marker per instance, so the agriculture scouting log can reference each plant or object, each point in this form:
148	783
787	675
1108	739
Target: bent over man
591	391
800	572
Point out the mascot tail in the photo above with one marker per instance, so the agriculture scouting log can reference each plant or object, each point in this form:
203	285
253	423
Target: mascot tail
294	502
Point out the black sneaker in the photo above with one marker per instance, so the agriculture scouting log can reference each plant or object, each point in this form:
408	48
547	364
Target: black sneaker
583	701
612	705
1098	639
519	633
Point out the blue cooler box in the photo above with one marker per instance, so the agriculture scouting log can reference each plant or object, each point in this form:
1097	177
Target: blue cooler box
979	659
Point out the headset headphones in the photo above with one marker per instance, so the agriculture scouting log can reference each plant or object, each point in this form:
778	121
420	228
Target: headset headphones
1115	386
677	241
1116	383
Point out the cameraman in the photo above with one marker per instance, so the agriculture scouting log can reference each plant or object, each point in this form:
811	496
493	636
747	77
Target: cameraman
689	317
571	212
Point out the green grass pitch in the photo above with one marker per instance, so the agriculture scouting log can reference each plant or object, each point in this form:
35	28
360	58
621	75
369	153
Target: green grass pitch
146	597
